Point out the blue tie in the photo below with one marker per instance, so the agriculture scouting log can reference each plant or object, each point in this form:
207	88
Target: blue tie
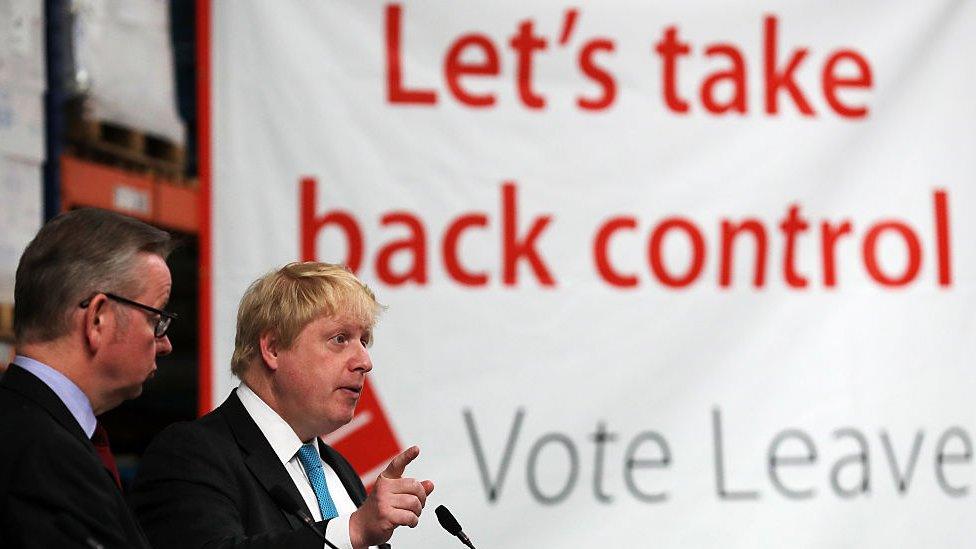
309	456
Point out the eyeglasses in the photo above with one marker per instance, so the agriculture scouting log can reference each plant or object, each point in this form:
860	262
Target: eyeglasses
163	319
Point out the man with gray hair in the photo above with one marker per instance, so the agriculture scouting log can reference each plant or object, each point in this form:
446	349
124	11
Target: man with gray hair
89	324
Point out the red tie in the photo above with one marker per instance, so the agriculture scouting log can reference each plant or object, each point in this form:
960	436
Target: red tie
100	440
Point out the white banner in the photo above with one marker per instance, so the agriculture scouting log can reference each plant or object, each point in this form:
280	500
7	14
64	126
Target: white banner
658	274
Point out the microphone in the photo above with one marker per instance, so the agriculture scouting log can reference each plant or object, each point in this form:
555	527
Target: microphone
288	504
451	524
76	531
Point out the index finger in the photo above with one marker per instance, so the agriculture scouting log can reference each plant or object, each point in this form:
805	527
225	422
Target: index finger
399	464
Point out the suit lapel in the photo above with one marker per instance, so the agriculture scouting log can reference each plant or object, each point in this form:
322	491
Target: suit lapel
27	385
350	480
259	457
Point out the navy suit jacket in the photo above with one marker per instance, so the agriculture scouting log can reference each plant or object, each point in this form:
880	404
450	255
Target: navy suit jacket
207	483
51	474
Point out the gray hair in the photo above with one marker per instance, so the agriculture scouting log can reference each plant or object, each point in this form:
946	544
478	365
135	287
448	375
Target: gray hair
73	256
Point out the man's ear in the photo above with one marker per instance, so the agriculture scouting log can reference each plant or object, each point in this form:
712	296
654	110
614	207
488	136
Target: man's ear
269	349
98	322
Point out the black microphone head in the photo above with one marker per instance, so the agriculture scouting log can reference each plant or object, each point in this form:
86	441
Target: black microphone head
68	525
447	520
284	500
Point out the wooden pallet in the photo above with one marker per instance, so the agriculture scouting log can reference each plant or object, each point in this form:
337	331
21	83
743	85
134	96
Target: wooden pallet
6	322
127	148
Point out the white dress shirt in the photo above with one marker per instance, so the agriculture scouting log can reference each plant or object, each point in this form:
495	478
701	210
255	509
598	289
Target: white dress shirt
286	444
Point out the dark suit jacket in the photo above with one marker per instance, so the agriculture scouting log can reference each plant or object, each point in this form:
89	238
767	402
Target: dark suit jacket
207	483
50	473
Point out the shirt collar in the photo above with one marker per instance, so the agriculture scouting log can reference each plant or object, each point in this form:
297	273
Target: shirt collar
73	398
280	435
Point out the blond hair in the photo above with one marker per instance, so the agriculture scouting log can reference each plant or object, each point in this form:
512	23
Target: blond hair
285	301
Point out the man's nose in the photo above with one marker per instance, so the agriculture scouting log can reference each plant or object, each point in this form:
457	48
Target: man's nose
363	361
163	346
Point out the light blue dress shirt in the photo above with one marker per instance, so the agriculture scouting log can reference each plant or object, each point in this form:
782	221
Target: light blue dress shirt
69	393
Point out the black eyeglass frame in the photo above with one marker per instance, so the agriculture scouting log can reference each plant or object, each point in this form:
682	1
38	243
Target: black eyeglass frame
162	323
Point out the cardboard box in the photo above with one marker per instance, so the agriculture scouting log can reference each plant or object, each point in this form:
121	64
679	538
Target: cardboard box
22	43
22	122
21	215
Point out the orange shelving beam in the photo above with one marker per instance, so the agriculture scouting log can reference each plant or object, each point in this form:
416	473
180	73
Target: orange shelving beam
150	198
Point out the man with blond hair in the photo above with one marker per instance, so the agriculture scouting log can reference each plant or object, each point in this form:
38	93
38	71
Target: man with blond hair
301	355
89	324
